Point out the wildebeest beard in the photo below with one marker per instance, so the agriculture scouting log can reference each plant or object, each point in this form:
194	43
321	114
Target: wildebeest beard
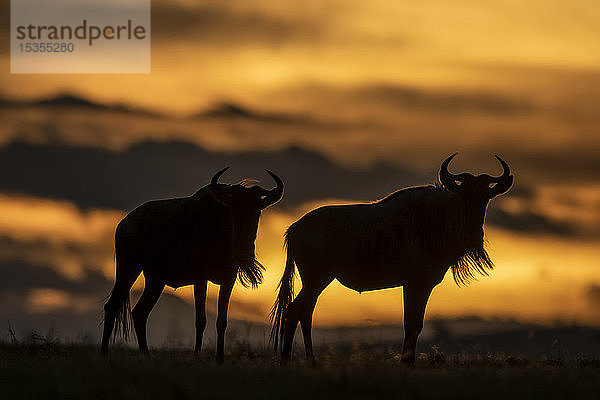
250	274
475	260
451	222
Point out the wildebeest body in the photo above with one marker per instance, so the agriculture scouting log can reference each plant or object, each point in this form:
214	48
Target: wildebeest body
180	240
208	236
369	251
410	239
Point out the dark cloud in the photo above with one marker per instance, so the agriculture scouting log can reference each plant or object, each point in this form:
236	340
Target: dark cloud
441	101
218	24
413	98
100	178
97	178
592	295
66	101
240	128
5	27
171	320
576	162
19	276
531	223
522	192
227	110
573	163
146	170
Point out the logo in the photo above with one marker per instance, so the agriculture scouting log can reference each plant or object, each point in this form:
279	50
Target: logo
80	36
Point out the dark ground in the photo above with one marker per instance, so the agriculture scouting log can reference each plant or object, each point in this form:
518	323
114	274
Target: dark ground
41	368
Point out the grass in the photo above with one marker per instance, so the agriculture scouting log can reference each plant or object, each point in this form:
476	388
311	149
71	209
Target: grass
46	369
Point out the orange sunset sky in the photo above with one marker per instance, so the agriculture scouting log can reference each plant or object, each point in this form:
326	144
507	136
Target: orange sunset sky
371	96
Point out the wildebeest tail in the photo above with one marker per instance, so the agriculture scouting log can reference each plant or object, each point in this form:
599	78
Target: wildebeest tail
118	307
122	322
284	298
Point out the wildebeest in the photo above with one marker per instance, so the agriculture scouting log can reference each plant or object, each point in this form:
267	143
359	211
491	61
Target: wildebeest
410	238
208	236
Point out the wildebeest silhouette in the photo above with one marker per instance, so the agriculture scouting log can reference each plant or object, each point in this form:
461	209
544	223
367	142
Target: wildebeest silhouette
208	236
410	239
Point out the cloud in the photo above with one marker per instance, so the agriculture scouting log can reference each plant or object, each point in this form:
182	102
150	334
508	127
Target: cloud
57	234
559	209
123	180
20	276
266	24
222	25
218	24
60	259
530	223
442	101
227	110
355	126
36	297
5	27
577	162
65	101
592	295
126	156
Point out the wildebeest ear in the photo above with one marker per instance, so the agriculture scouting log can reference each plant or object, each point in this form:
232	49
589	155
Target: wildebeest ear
502	187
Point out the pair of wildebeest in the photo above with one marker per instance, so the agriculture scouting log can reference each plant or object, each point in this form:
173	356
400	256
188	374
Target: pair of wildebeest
410	238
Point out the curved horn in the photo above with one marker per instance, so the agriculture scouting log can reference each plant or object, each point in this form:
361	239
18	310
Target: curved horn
503	182
215	189
448	179
505	172
276	193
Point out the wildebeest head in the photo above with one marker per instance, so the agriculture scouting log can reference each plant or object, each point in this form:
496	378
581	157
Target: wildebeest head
246	204
476	192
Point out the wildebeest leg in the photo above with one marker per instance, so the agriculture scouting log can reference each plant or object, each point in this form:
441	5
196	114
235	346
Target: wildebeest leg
200	303
141	311
306	325
306	316
301	310
290	323
415	301
224	295
126	276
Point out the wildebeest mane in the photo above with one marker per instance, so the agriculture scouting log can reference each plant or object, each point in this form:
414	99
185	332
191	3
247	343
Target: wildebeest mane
427	219
247	183
474	259
248	275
